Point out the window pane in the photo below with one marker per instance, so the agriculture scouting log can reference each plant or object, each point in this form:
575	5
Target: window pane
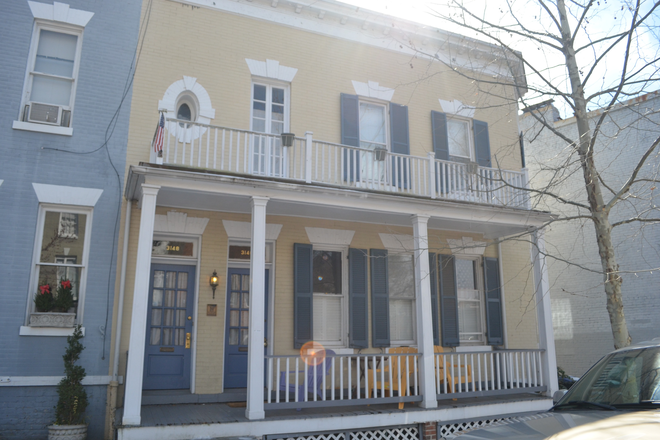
259	92
245	319
168	317
159	278
233	336
156	316
278	96
51	90
372	125
234	300
469	319
465	274
157	300
246	282
184	112
246	300
169	298
170	280
180	318
56	53
327	272
179	336
181	299
183	280
154	338
233	318
235	282
401	320
63	236
327	318
459	144
401	275
244	337
167	336
53	275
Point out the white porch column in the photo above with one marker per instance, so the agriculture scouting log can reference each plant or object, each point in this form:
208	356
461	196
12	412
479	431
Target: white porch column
137	338
424	317
255	373
544	313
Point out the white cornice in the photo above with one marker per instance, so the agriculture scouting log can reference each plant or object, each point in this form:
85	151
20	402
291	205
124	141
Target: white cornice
179	222
271	69
340	20
338	237
372	89
244	230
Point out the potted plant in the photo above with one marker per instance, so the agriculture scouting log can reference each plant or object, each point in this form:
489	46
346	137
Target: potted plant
72	400
54	311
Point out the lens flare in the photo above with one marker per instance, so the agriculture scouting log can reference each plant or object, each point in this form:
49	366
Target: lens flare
312	353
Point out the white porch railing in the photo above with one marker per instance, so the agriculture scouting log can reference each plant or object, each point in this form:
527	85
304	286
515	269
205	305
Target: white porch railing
488	373
342	380
312	161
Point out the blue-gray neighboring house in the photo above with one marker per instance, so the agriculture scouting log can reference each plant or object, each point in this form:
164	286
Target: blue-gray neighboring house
65	80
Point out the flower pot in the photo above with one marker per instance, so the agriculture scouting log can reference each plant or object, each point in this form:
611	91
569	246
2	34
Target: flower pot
52	319
67	432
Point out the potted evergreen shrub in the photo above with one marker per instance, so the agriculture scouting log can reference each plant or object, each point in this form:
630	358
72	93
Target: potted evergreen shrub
72	401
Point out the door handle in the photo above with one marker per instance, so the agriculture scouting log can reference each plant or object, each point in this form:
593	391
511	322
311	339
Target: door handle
187	340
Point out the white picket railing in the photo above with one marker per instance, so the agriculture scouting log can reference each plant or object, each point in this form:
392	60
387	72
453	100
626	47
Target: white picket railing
488	373
341	380
312	161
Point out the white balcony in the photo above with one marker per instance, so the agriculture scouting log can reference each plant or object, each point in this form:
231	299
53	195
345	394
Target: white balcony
313	161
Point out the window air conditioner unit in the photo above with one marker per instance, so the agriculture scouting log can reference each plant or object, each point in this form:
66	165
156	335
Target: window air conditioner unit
47	114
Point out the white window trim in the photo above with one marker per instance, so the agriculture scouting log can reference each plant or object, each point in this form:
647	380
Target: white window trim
36	255
345	294
54	24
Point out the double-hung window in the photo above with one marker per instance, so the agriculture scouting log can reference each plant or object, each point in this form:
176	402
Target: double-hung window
373	138
460	139
401	286
50	84
470	301
329	297
61	251
270	109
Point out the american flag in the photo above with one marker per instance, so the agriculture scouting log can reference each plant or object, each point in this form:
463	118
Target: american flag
158	137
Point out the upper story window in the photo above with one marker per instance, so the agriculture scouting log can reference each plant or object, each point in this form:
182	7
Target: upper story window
460	139
187	108
270	114
52	68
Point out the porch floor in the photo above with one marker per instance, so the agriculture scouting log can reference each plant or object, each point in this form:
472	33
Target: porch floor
206	411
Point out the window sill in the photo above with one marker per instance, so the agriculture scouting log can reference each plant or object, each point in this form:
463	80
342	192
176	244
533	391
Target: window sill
47	331
42	128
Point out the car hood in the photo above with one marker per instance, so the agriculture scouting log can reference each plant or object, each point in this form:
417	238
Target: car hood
573	425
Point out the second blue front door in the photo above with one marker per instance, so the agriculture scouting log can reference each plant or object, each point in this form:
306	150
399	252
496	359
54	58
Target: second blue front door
237	326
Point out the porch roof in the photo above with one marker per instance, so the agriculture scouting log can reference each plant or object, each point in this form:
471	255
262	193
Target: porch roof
194	188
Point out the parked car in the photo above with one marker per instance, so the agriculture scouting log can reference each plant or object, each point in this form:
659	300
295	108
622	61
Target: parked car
619	397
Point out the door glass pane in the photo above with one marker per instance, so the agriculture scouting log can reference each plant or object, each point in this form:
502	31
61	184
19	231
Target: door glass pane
154	339
170	280
169	298
156	316
157	300
234	300
233	336
244	337
167	336
246	300
235	282
181	299
233	318
180	318
169	317
159	279
183	280
246	282
179	336
245	319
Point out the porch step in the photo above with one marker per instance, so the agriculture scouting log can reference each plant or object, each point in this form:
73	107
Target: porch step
173	397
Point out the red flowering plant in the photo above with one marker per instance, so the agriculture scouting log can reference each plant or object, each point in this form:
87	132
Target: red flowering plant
43	301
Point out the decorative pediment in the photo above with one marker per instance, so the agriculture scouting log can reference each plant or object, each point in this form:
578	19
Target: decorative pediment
466	246
179	222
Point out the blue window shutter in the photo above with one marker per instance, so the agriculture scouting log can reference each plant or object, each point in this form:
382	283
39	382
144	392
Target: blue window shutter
440	146
303	287
400	137
494	324
433	265
358	298
350	135
380	299
481	143
448	301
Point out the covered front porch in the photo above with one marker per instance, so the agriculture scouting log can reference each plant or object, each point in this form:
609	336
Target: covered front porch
286	377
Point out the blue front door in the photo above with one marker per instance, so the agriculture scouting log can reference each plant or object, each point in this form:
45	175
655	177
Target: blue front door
237	326
169	327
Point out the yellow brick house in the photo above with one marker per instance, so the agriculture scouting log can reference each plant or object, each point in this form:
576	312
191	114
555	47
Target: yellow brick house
327	228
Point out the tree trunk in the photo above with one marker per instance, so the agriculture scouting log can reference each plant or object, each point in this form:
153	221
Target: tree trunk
599	212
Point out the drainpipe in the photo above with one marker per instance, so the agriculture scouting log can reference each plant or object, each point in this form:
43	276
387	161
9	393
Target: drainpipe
501	265
114	383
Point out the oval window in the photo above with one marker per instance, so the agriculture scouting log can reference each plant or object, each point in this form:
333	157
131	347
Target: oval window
184	113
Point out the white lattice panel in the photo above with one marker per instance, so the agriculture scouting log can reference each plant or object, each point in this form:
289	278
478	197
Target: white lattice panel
407	433
319	437
456	429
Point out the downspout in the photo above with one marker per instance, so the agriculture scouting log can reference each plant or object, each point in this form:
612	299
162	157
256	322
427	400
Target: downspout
501	268
114	383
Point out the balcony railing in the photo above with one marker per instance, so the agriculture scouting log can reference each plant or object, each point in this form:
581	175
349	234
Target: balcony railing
313	161
342	380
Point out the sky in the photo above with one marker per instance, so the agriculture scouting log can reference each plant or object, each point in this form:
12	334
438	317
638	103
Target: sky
607	20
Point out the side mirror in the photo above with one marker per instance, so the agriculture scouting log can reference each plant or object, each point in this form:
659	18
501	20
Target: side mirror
556	397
